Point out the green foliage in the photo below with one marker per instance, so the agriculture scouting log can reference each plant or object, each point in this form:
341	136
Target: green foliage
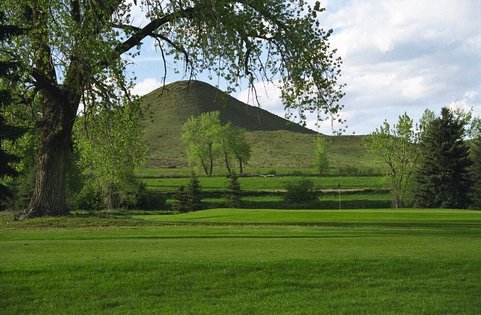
77	54
149	199
475	173
110	149
234	145
301	193
321	162
396	148
194	193
181	200
443	178
7	131
234	192
208	140
201	134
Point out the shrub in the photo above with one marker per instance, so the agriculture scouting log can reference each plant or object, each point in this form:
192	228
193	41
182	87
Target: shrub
301	193
150	199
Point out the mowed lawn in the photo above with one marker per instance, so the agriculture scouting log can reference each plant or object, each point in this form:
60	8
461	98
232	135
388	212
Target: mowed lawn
245	262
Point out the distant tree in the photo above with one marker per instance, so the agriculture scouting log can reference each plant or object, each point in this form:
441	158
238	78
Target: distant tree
321	162
194	193
475	172
181	200
208	140
396	147
234	145
234	192
443	177
201	135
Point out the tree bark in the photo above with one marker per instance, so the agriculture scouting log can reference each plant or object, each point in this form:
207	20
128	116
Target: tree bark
241	166
49	194
227	165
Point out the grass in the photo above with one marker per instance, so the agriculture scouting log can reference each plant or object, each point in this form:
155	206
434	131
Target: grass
230	261
276	183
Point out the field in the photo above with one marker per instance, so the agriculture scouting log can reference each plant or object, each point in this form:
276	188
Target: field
244	262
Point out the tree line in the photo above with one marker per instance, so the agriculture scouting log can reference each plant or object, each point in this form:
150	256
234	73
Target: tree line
433	164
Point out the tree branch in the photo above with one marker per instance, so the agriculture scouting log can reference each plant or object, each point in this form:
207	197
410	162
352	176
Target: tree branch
149	29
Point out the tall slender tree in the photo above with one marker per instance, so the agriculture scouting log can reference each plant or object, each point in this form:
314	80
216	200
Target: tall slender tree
73	53
321	162
396	148
475	172
443	178
7	131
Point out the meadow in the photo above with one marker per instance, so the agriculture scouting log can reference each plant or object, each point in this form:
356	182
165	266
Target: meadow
240	261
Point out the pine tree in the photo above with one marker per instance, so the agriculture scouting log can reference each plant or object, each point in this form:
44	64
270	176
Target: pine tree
443	176
475	173
7	131
234	192
194	193
181	200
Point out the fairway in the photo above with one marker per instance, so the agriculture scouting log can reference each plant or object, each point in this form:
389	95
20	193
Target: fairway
226	261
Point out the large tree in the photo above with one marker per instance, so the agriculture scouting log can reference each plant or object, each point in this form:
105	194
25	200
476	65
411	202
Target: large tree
72	54
443	176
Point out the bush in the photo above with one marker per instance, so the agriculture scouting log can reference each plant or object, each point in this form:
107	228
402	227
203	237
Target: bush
301	193
89	198
150	199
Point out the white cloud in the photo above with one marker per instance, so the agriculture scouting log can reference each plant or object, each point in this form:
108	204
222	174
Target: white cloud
268	96
405	56
146	86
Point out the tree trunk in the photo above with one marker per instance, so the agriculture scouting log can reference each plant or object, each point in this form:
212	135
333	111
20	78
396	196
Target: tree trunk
241	166
227	165
49	194
211	160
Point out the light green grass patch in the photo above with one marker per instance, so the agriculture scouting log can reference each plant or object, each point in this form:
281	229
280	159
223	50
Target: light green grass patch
428	262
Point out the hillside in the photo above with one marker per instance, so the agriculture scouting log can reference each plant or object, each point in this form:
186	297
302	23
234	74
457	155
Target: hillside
276	142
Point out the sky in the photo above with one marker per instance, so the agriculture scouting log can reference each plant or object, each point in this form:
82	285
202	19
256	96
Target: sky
399	56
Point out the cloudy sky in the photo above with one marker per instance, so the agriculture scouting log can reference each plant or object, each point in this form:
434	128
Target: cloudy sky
399	56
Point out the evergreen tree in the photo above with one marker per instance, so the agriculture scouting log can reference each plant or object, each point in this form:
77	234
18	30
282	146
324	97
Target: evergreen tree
234	192
443	177
7	68
475	173
181	200
194	193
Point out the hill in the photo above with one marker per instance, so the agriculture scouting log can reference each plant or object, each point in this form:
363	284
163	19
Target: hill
275	141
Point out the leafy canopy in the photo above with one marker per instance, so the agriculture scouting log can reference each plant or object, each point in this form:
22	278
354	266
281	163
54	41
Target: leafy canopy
268	40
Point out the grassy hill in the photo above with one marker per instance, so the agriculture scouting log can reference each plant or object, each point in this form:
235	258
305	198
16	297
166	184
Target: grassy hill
275	142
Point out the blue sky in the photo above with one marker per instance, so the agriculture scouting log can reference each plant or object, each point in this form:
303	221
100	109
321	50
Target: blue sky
399	56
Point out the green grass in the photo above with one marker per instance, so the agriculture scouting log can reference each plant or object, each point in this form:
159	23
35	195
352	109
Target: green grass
276	183
368	262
